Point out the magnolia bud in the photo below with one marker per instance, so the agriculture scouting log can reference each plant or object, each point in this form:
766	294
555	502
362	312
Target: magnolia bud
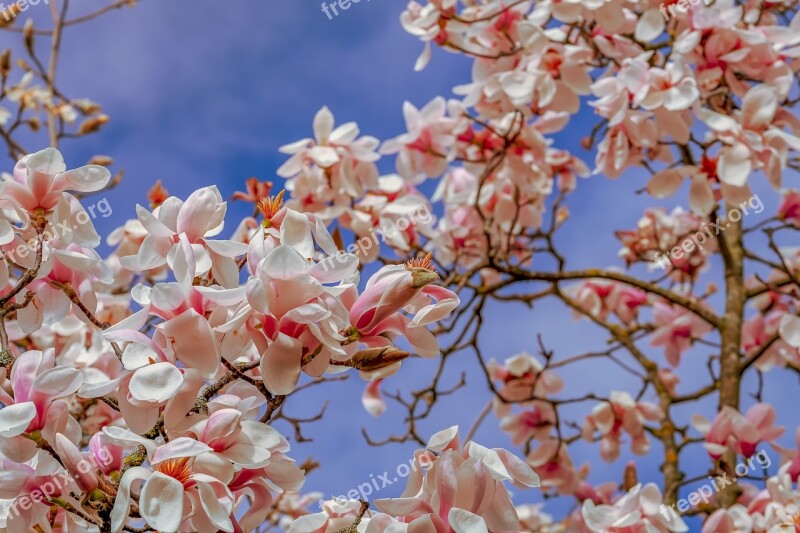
92	124
629	478
5	62
27	35
373	359
76	464
102	160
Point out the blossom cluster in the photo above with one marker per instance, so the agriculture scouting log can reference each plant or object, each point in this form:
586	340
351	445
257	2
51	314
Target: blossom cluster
178	373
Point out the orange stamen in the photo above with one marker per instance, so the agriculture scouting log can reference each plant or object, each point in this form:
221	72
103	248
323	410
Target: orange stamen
424	263
178	469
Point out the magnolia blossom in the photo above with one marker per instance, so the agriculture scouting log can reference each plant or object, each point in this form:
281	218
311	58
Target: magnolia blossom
375	315
677	329
753	140
621	413
449	493
38	189
200	217
639	510
731	430
38	386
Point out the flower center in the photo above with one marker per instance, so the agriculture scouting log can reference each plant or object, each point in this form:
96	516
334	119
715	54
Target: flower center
179	469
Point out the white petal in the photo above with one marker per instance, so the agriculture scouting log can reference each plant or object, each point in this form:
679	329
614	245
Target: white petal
650	26
156	383
790	330
15	419
161	502
465	522
180	447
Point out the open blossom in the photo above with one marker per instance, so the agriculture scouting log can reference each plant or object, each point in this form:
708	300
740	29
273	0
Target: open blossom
600	298
424	150
752	140
774	509
550	459
200	217
177	488
638	511
38	386
731	430
40	181
343	163
523	377
677	329
377	311
23	487
449	495
789	210
621	414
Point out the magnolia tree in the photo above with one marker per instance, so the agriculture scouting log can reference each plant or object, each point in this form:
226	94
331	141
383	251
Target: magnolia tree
140	390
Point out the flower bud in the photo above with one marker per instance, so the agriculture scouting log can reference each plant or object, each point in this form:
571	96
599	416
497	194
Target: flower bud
373	359
76	464
629	478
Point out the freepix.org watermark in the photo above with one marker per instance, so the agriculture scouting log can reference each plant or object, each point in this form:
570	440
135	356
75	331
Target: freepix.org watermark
60	482
333	6
709	231
55	231
681	6
15	8
761	459
363	245
403	470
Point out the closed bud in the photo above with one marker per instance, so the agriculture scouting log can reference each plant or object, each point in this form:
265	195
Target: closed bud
102	160
27	34
629	478
373	359
92	124
5	62
81	470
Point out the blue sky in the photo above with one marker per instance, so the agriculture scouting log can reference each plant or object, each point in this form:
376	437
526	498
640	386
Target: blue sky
205	92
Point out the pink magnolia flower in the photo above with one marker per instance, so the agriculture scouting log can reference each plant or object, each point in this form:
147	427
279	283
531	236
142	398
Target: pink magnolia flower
552	462
69	266
621	413
735	519
41	179
462	488
376	314
676	330
246	443
638	511
292	315
28	490
38	386
758	331
534	422
600	298
372	400
199	218
789	210
752	139
178	493
741	433
344	164
424	151
523	377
